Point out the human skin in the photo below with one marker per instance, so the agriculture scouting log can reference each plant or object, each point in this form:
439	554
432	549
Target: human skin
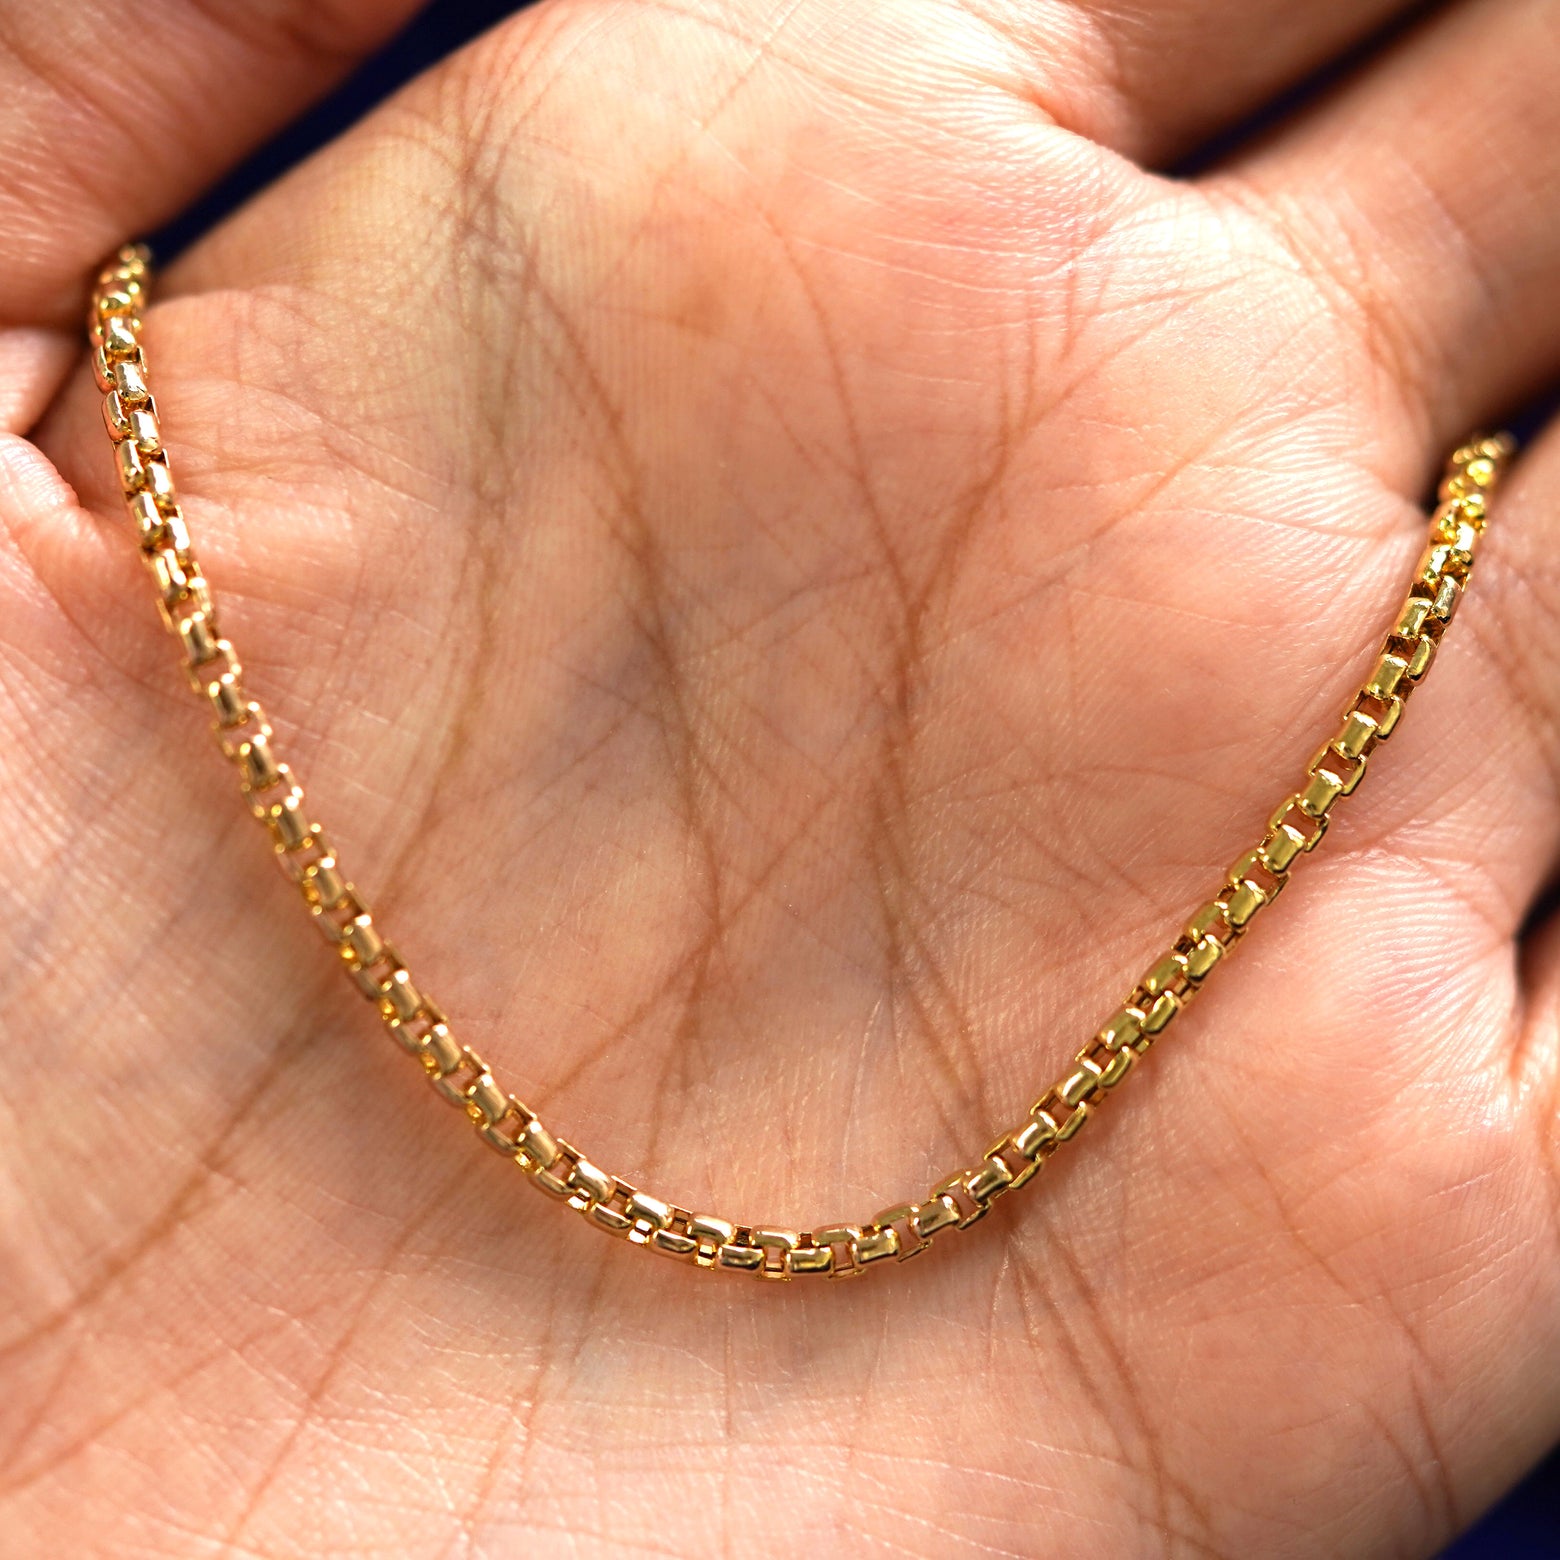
789	560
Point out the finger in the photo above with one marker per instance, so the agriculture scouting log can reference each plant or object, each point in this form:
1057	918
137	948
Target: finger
1424	197
106	129
1478	812
1536	1082
1517	646
1153	79
33	362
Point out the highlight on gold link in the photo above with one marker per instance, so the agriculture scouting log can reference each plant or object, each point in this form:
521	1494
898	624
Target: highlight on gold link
509	1127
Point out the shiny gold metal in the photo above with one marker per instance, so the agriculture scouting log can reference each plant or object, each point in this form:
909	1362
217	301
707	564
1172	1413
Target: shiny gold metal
511	1128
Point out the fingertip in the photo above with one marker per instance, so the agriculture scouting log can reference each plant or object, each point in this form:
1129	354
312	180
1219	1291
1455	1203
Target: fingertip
34	364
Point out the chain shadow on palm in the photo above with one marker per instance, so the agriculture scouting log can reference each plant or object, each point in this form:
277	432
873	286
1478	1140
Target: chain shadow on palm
789	564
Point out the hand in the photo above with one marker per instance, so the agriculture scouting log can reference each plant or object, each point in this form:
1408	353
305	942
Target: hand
789	563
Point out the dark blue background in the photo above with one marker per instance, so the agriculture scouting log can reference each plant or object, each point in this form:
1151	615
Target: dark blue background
1526	1526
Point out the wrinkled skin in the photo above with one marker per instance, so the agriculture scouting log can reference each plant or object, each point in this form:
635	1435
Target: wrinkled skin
789	563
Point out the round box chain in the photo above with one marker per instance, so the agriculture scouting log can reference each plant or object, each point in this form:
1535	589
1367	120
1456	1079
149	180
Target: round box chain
511	1128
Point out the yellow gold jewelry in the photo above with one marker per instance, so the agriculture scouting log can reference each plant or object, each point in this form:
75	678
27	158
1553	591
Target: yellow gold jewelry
511	1128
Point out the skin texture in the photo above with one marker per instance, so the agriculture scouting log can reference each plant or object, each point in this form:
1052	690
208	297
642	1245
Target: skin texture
789	563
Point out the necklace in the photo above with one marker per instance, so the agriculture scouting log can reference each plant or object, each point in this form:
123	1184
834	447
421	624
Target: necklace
511	1128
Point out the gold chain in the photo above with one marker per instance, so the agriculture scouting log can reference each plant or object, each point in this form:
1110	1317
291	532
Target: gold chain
511	1128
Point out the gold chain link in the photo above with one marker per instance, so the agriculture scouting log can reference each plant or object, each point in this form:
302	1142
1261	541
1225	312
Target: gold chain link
511	1128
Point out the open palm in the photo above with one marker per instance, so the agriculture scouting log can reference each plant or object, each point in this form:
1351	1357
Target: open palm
789	563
